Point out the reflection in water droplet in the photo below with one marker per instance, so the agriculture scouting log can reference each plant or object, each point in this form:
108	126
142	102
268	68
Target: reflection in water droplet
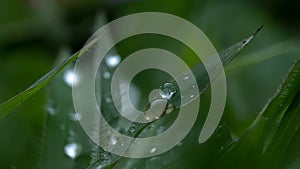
113	60
153	150
192	96
72	133
73	150
167	90
106	75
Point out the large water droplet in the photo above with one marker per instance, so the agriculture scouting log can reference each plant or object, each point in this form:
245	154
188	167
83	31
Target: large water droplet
73	150
167	90
70	78
113	60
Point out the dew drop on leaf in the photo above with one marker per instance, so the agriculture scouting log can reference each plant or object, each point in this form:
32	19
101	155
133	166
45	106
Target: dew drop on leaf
167	90
153	150
75	116
73	150
113	60
51	111
113	141
106	75
70	78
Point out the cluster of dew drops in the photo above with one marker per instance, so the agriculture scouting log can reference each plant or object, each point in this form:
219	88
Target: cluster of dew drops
73	149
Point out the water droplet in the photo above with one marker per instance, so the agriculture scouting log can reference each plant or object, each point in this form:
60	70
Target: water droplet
132	128
160	129
75	116
106	75
72	133
62	127
113	60
51	111
179	143
167	90
170	108
186	76
192	96
153	150
73	150
222	148
108	100
113	141
194	86
70	78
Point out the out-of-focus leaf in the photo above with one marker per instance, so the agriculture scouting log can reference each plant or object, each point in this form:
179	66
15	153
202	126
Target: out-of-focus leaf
6	107
268	132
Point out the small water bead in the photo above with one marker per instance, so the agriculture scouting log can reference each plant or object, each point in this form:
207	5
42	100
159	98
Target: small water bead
192	96
186	76
72	133
73	150
106	75
113	60
160	129
70	78
132	128
167	90
51	111
62	127
113	141
153	150
108	100
75	116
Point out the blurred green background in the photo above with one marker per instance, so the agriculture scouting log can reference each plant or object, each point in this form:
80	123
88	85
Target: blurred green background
34	32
